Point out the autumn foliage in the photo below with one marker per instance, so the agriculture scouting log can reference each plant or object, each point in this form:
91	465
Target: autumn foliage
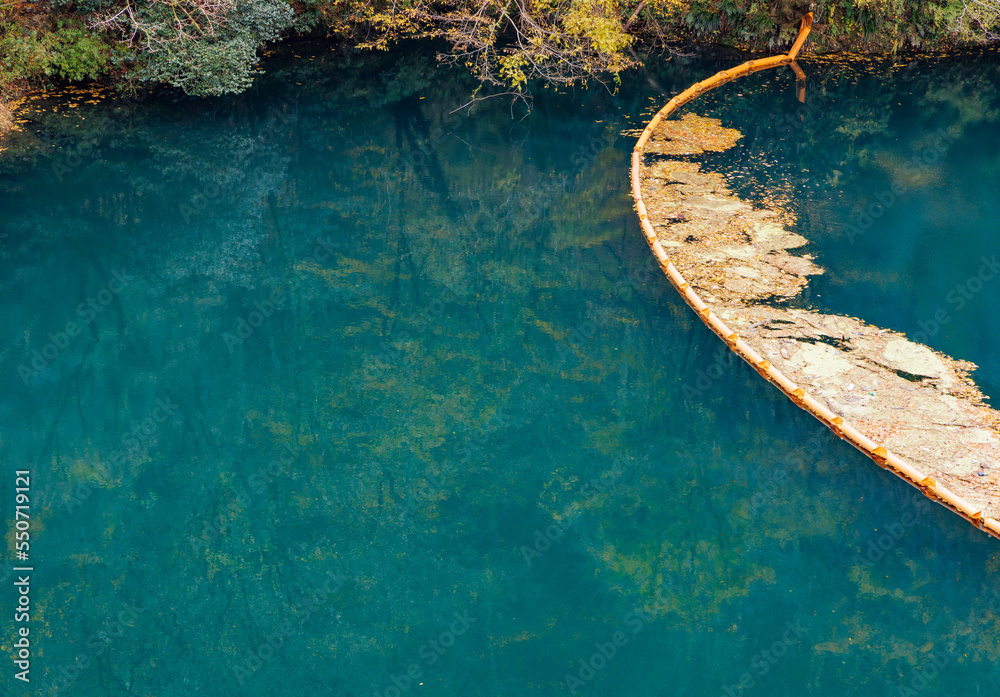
211	47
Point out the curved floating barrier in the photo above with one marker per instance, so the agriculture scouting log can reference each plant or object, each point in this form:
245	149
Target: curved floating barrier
878	452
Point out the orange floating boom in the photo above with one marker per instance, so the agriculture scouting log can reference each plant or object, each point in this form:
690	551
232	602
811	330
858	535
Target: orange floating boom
877	452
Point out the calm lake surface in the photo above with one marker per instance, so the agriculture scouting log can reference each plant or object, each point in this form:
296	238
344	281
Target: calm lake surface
327	390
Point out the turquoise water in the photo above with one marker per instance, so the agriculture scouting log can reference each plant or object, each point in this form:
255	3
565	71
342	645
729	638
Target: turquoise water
337	392
893	169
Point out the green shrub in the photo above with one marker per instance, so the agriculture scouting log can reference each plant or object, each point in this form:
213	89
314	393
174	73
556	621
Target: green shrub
77	54
202	68
215	54
36	56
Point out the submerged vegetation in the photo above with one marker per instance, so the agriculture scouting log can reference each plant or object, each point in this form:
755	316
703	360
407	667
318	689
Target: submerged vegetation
211	47
416	442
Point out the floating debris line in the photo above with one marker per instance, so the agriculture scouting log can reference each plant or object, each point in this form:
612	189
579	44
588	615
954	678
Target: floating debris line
912	410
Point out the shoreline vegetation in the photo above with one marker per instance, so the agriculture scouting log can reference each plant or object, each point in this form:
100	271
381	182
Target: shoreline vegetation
212	47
